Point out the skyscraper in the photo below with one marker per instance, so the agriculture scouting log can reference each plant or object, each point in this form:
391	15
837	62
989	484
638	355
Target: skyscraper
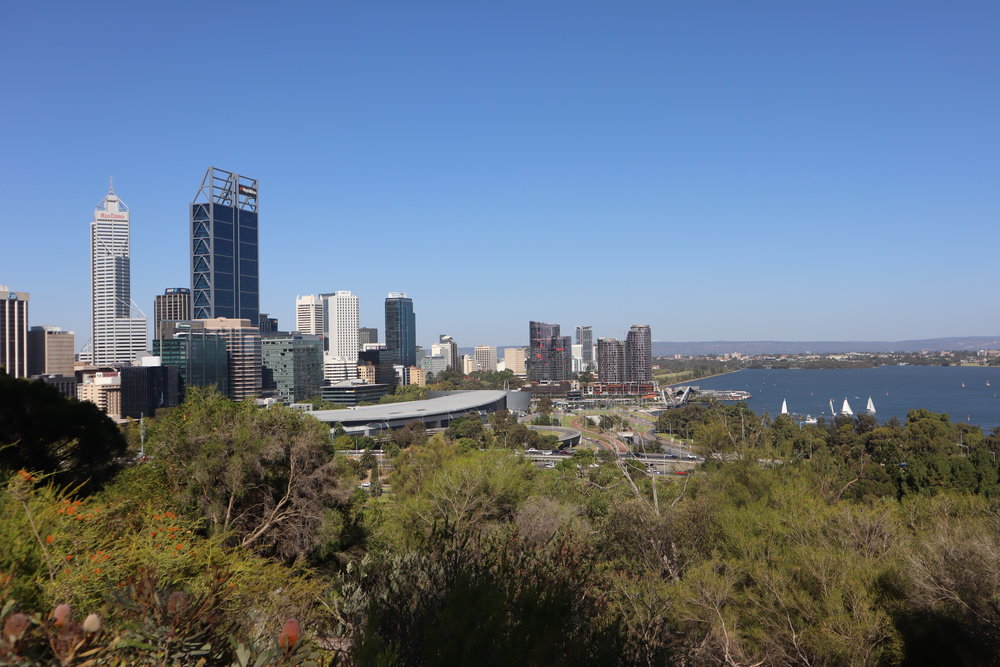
118	327
340	331
173	305
309	314
449	350
401	328
367	336
224	270
14	332
610	360
550	356
639	354
585	338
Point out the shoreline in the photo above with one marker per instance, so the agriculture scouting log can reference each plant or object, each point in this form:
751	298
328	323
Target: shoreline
703	377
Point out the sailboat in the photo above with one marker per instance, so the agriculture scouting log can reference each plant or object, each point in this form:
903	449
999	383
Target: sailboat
833	413
784	407
846	409
871	406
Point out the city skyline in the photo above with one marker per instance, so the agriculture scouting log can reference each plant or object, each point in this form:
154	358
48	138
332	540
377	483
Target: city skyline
805	173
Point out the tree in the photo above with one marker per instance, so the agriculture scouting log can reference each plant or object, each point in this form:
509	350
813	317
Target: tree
43	431
261	476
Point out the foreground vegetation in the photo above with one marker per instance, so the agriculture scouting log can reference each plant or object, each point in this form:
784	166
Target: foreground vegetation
788	546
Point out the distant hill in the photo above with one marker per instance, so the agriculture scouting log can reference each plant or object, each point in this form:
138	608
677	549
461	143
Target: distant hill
668	348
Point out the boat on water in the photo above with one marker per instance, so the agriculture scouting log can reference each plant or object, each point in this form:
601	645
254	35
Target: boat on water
810	420
845	409
870	409
784	407
833	413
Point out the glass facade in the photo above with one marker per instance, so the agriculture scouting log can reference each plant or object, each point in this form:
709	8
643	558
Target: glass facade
224	249
200	358
401	329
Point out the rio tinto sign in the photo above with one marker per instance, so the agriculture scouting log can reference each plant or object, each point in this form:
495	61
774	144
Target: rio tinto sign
107	215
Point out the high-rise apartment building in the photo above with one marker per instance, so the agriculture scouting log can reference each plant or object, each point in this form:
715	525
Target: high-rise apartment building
224	248
610	360
639	354
173	305
14	332
50	351
585	339
340	332
401	328
550	356
309	314
486	357
514	360
118	327
367	336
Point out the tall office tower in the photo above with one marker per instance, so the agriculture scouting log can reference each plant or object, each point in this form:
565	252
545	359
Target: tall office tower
243	349
610	360
379	364
50	351
118	331
14	332
293	366
173	305
267	324
639	354
340	331
550	358
449	350
514	360
309	314
401	328
486	357
578	358
367	336
224	272
585	338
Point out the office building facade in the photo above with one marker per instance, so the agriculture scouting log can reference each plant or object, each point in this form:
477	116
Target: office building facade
224	248
340	335
401	328
146	389
173	305
292	367
309	315
367	336
14	332
200	356
486	357
514	360
50	351
448	348
118	327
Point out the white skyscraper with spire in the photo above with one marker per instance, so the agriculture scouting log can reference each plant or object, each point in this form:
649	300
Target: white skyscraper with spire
118	326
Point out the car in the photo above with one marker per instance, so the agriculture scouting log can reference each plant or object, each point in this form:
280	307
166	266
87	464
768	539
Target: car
365	485
534	451
671	456
691	457
682	472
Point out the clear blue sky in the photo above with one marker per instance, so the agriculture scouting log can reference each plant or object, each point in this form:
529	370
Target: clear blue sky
719	170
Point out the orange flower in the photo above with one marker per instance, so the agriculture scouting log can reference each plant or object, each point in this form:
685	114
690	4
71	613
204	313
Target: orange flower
152	533
178	546
48	540
69	556
97	570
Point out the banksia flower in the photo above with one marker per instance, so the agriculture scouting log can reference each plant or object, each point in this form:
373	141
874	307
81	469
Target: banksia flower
92	623
289	634
15	626
60	615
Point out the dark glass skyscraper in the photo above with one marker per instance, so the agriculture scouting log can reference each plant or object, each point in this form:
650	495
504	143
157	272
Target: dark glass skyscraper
224	271
550	357
401	328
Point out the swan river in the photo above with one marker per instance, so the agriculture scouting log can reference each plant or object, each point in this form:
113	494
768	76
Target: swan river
966	393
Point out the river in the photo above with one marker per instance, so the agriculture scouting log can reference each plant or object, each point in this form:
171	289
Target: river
966	393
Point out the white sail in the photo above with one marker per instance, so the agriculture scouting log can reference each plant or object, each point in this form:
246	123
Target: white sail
784	407
846	409
871	406
833	413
